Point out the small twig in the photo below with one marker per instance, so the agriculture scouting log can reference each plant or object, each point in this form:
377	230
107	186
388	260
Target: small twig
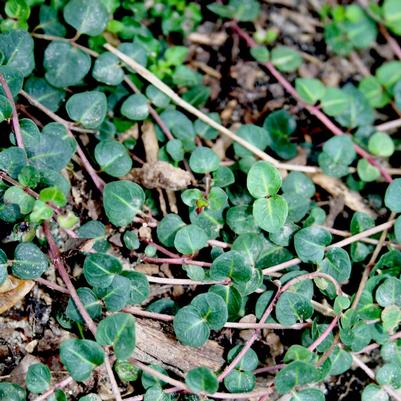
182	281
176	261
60	385
372	261
17	128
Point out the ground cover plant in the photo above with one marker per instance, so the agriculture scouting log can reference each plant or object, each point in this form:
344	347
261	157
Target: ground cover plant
200	200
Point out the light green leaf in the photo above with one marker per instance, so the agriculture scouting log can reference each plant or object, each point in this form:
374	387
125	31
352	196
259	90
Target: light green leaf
263	180
270	214
113	158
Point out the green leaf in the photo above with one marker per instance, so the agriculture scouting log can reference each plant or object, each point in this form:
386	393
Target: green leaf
338	153
270	214
54	195
366	171
249	362
201	380
190	327
337	264
231	297
41	212
260	54
140	288
117	295
388	74
231	265
89	300
285	58
280	125
374	92
87	108
237	10
118	330
100	269
310	90
17	48
240	219
126	371
38	378
86	16
392	198
157	97
297	373
122	200
254	135
11	392
240	382
156	393
212	308
263	180
190	239
292	308
29	261
391	317
65	64
5	109
389	292
374	392
44	93
17	9
90	397
49	21
203	160
299	183
135	107
13	78
310	242
113	158
168	227
340	360
381	144
335	102
107	69
80	357
391	15
175	149
18	196
309	394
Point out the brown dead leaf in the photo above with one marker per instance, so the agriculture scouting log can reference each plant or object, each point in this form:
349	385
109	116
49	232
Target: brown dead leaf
12	291
162	175
337	188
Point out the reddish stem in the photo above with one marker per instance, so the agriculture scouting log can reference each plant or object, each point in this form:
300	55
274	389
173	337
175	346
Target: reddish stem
9	95
176	261
62	384
312	109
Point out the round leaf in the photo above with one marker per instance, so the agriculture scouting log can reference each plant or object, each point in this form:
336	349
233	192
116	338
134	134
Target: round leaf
113	158
203	160
270	214
310	242
122	200
190	327
100	269
190	239
29	261
86	16
38	378
65	65
231	265
107	69
118	330
201	380
80	357
392	198
212	308
135	107
263	180
87	108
